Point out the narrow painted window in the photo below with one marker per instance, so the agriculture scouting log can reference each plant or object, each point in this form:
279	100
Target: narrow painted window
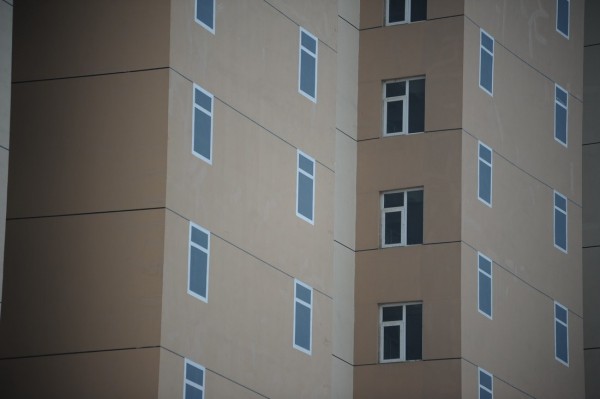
307	75
484	186
486	385
303	298
202	124
403	106
484	286
560	221
305	188
486	63
403	11
193	380
199	260
401	337
561	115
561	333
205	14
562	17
402	218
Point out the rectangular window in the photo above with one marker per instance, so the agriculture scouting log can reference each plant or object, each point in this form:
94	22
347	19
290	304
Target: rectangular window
302	316
486	63
486	385
401	335
305	188
484	286
402	218
562	17
560	221
193	386
403	11
307	68
198	263
202	124
561	333
561	115
205	14
403	106
484	185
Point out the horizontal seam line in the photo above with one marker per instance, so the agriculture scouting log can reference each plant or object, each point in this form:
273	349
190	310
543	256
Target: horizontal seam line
90	75
412	22
7	149
591	246
591	45
592	348
408	246
349	23
411	134
345	134
337	357
8	3
80	352
408	361
344	245
500	379
595	142
85	213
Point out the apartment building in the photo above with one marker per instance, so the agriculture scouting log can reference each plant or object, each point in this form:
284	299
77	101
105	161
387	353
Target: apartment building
286	199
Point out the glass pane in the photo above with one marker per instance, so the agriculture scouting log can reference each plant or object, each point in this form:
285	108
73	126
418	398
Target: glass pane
487	42
198	271
414	335
414	217
395	117
562	17
194	374
199	237
204	12
418	10
562	351
396	11
393	227
305	164
202	100
485	182
305	196
485	73
416	106
391	313
485	380
307	73
485	265
302	326
560	123
485	294
483	394
561	313
202	128
485	153
391	342
560	229
309	43
192	392
303	293
560	202
392	200
561	96
395	89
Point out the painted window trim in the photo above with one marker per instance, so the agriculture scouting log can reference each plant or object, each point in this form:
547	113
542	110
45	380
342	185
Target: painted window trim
490	391
491	165
565	212
202	23
405	106
310	308
190	382
207	252
566	36
407	7
557	320
481	47
210	113
402	324
403	209
557	103
315	55
313	178
491	278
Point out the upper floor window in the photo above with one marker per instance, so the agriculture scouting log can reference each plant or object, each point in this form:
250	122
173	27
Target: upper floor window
402	218
562	17
402	11
400	328
303	299
561	333
484	286
403	106
307	65
202	124
486	63
305	188
486	384
561	115
484	185
194	380
205	14
198	263
560	221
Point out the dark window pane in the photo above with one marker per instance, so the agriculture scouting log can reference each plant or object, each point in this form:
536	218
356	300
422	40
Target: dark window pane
393	227
302	327
485	265
485	153
487	42
202	100
418	10
414	217
307	73
560	124
485	380
561	96
303	293
562	338
391	342
562	17
391	313
309	43
202	124
560	229
192	392
392	200
483	394
485	73
194	374
561	313
560	202
204	12
305	196
485	182
395	117
414	327
199	237
397	11
485	294
395	89
198	271
416	106
305	164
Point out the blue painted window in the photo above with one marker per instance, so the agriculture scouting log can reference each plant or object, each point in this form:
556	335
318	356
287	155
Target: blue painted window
486	63
486	385
205	14
562	17
484	286
199	260
561	115
402	11
561	333
560	221
202	124
484	187
302	316
194	380
307	68
305	188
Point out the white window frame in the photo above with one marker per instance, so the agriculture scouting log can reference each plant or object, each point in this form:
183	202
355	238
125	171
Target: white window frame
557	104
481	47
566	36
312	177
210	113
202	23
190	382
565	212
491	165
403	222
490	391
310	308
407	5
315	55
490	276
402	324
405	106
207	252
566	325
